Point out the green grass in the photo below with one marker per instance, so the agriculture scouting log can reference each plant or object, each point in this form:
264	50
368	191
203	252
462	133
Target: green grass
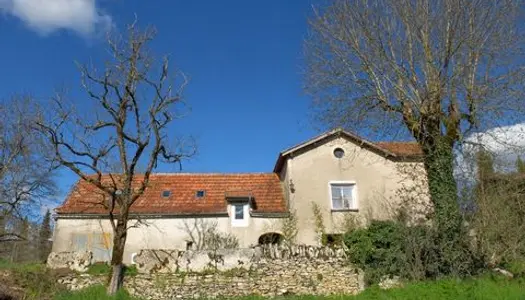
99	269
483	288
33	280
97	292
22	267
105	269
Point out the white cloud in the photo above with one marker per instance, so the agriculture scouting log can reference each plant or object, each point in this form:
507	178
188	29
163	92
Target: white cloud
506	143
502	139
46	16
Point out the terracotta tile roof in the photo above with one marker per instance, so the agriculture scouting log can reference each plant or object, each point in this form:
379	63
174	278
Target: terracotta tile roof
265	189
402	148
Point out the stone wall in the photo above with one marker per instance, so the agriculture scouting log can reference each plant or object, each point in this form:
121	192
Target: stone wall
266	271
172	261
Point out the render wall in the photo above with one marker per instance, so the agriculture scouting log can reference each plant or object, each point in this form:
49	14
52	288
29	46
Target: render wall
168	233
382	186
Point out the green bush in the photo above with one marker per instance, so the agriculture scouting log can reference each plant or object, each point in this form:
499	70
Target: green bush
376	249
412	252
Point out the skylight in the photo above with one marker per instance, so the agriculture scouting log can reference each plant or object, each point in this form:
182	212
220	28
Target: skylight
200	194
166	194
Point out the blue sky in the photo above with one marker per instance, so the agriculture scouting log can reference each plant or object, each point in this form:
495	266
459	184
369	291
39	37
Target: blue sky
244	60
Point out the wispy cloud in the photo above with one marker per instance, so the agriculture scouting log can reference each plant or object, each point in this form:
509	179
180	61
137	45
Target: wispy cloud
46	16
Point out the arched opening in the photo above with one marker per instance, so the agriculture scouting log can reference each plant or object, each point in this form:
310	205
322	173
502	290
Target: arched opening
270	238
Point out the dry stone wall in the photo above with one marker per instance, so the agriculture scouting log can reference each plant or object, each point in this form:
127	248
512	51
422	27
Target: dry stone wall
268	271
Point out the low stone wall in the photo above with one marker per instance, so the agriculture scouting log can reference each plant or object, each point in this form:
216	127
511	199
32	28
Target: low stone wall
268	271
172	261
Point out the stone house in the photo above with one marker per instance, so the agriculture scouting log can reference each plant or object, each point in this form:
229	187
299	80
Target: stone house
340	174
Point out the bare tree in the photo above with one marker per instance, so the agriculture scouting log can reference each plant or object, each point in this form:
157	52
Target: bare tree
435	70
26	176
204	235
135	101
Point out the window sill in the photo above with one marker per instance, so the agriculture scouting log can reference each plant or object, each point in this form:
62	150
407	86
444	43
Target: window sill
345	210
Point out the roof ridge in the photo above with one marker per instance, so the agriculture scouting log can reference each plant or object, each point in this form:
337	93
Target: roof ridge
398	142
209	174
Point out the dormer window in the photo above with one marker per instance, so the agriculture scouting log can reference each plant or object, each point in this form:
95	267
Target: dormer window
200	194
166	194
239	214
239	211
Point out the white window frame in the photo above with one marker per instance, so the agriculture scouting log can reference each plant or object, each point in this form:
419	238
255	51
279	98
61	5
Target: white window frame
355	201
244	222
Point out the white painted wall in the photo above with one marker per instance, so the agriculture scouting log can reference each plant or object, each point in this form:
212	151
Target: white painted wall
377	181
167	233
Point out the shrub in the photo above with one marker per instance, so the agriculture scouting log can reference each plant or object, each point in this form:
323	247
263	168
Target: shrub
412	252
376	249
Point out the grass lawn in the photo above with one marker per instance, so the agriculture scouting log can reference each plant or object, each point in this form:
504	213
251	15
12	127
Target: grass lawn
483	288
97	292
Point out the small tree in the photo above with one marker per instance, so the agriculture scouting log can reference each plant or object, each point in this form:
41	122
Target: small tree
485	163
289	228
204	235
44	235
26	174
520	165
134	103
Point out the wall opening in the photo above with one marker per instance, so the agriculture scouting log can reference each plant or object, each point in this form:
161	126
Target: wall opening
332	239
270	238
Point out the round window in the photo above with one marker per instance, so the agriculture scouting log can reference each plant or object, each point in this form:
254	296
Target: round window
339	153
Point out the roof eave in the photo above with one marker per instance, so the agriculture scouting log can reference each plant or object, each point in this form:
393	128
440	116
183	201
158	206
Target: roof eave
339	131
80	215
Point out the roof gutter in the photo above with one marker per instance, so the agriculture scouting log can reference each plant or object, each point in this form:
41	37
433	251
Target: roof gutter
141	216
254	214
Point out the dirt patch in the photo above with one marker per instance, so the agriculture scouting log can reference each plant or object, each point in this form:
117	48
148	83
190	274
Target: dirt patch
38	283
8	288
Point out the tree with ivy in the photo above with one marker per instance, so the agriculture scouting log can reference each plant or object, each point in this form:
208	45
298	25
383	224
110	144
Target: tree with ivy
432	70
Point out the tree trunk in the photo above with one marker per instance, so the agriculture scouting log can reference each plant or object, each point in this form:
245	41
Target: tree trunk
117	271
439	165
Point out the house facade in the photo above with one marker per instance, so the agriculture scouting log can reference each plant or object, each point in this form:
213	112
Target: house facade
334	180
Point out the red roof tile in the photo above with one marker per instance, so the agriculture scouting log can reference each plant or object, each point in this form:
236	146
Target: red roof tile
265	189
402	148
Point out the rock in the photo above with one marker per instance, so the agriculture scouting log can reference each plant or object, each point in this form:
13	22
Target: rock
504	272
77	261
388	282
